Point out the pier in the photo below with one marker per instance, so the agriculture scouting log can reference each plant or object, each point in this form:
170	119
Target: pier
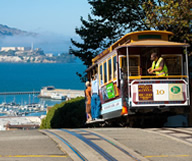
48	92
20	93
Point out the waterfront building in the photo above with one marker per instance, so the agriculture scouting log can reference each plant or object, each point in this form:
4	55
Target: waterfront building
30	122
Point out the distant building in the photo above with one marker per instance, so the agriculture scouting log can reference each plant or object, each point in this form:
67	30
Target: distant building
21	127
18	53
38	49
52	92
17	122
15	48
49	54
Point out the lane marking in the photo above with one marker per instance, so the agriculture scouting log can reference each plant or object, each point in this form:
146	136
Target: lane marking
167	156
33	156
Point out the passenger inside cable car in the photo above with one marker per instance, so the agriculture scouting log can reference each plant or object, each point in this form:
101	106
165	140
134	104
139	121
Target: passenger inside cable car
139	64
158	67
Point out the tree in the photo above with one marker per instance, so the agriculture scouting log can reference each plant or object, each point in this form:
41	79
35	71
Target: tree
127	15
174	16
110	20
94	34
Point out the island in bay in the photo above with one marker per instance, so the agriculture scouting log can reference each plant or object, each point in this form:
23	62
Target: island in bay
30	55
20	54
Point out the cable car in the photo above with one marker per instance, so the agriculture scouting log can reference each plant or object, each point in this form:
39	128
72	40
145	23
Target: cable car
126	89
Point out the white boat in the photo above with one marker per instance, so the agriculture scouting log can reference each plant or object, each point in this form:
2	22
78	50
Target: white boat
58	96
33	107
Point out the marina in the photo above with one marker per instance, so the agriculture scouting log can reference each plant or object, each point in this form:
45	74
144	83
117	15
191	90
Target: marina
23	112
13	109
36	100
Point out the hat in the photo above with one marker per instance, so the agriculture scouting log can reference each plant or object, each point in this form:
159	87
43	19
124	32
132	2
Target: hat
87	83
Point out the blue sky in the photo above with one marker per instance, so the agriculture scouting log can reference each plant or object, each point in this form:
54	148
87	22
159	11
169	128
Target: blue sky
53	19
57	16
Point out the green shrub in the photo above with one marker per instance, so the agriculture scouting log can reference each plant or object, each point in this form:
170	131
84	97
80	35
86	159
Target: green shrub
69	114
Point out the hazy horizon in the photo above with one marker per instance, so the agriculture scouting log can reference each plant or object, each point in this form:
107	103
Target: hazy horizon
53	21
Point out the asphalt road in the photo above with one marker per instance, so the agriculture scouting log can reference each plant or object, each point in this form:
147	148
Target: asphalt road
29	145
174	144
153	144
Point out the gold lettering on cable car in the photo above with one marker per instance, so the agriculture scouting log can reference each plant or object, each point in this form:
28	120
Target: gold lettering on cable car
160	92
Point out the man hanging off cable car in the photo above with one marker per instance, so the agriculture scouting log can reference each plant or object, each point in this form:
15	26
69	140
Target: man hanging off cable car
158	66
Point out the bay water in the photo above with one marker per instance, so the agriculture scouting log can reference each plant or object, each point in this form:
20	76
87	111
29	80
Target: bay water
16	77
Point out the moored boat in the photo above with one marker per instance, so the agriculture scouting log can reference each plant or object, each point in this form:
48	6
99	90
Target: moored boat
58	96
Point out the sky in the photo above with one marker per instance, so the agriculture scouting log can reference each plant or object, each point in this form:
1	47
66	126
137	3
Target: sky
54	20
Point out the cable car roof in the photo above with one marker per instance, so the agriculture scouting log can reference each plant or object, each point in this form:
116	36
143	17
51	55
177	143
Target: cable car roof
148	38
152	43
91	67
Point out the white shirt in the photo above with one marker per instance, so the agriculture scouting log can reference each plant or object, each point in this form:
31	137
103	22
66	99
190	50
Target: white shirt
95	86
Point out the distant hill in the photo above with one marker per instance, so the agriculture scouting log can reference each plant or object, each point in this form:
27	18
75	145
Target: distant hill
8	31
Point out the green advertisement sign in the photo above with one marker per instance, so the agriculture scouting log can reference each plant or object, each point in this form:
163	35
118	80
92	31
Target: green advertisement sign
110	90
175	89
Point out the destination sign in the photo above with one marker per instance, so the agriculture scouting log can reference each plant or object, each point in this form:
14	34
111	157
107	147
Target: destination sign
145	92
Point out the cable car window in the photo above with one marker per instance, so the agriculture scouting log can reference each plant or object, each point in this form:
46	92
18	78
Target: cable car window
173	63
100	74
123	64
110	69
114	67
134	67
105	72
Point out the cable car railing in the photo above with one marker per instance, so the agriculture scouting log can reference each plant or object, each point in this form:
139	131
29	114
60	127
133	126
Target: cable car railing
159	77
